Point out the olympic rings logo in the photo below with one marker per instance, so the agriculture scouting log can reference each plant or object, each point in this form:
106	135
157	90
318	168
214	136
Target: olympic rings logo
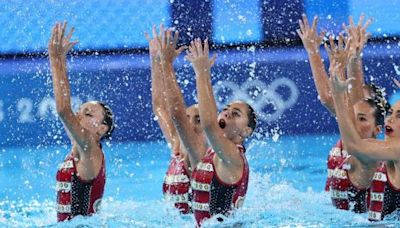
259	96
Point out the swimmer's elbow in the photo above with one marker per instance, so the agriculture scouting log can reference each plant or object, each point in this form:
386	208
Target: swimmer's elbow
156	103
158	111
351	147
326	100
63	111
177	114
354	145
208	125
155	107
208	120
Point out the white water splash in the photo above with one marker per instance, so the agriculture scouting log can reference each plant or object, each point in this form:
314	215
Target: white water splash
396	69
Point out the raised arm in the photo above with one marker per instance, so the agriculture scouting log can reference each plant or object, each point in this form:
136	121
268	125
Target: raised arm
311	42
366	149
358	37
158	93
59	45
225	149
339	56
174	98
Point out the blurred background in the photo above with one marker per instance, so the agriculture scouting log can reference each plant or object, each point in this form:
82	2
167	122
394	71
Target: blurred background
260	60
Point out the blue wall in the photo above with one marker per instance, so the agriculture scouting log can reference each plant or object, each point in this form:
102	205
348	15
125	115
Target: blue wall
107	24
27	106
285	99
99	25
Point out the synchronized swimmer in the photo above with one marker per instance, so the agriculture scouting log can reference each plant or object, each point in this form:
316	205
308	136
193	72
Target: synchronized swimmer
349	177
363	171
208	172
82	175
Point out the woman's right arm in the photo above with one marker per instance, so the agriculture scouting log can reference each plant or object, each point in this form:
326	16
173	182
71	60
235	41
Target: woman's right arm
366	149
311	42
225	149
359	37
158	95
59	45
194	145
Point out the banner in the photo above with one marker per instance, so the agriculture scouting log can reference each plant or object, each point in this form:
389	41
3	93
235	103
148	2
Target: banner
276	82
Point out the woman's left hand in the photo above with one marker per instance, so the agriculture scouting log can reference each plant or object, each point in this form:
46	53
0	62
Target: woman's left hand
198	55
337	82
338	53
359	36
59	43
167	45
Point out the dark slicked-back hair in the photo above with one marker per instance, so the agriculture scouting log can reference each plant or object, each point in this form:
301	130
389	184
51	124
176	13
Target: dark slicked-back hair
108	120
381	107
379	113
371	88
251	115
378	101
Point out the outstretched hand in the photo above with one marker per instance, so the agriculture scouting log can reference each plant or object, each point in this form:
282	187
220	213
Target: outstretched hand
337	79
338	54
359	36
164	44
309	35
198	55
59	43
153	43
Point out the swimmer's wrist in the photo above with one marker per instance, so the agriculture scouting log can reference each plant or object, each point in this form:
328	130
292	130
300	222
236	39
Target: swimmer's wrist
313	52
165	62
155	59
355	59
167	66
202	71
58	59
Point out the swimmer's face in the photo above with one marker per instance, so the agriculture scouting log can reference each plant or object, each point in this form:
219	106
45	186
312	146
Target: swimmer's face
234	120
192	114
365	120
392	122
91	117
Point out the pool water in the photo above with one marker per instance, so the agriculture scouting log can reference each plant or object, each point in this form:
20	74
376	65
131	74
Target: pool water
286	187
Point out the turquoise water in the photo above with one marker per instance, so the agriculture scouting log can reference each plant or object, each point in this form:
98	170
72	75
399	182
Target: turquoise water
286	187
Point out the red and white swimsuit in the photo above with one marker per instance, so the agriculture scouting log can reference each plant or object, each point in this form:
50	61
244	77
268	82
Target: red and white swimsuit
335	158
385	198
176	186
74	195
344	194
211	196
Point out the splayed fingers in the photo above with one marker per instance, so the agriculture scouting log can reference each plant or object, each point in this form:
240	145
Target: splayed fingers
198	55
60	44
